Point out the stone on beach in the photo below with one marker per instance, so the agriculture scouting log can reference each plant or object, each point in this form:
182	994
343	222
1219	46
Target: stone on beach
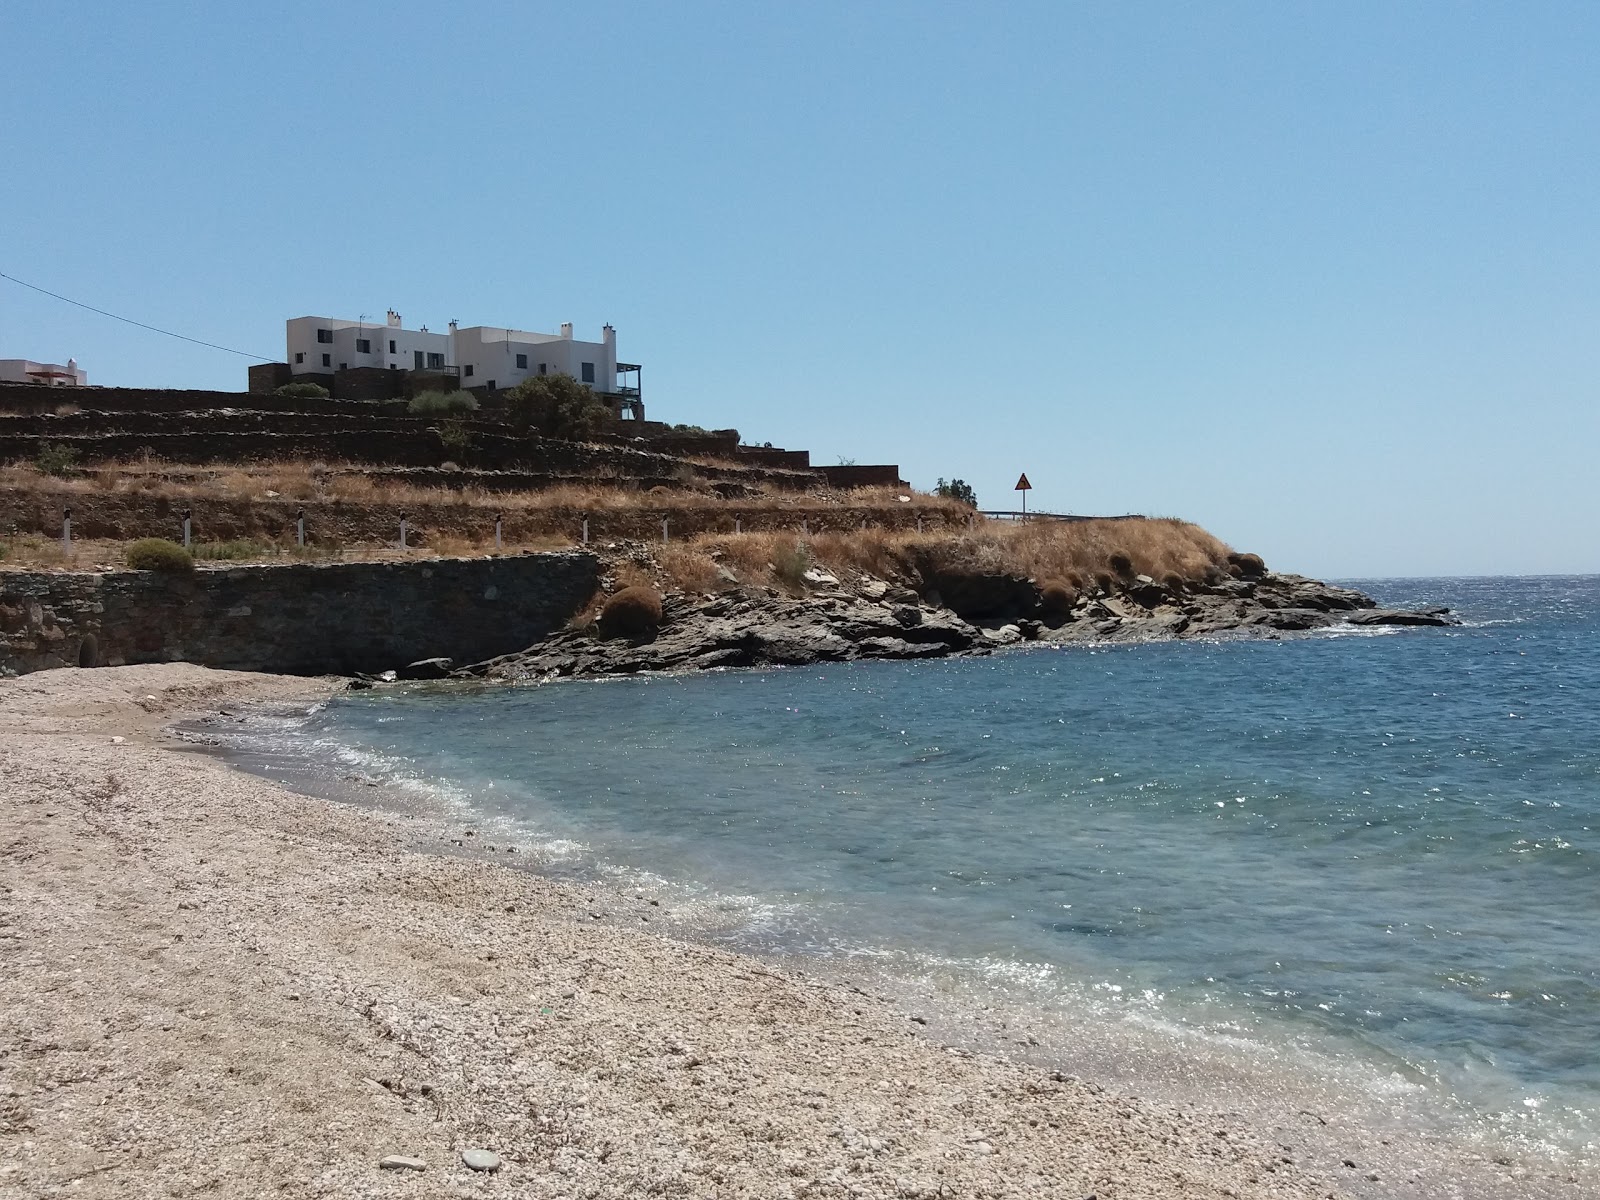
401	1162
481	1160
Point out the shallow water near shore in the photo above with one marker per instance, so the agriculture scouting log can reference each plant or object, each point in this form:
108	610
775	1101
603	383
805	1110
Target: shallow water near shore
1373	855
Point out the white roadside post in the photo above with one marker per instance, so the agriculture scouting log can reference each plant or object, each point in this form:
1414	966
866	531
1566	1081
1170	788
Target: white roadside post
738	525
186	529
402	531
300	528
498	517
663	531
586	531
66	530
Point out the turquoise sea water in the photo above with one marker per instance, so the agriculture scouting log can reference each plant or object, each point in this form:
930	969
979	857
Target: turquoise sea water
1380	848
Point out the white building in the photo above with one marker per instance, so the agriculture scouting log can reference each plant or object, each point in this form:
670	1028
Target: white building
480	356
25	370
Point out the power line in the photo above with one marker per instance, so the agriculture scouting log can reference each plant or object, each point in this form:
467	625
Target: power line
130	321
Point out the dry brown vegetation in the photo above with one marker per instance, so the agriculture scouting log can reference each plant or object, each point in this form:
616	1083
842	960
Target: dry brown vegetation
1071	554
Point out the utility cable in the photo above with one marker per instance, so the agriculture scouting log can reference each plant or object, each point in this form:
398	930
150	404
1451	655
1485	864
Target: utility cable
130	321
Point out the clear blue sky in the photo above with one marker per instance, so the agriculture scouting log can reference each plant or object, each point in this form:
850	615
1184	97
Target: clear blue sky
1322	277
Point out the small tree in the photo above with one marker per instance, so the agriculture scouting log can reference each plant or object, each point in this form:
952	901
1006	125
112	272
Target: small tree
956	489
55	459
556	406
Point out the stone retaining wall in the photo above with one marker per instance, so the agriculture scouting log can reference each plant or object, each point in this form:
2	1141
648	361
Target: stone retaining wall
299	620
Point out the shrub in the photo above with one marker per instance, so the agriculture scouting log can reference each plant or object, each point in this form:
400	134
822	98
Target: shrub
1057	598
1173	582
302	391
1250	566
1121	564
158	554
633	612
55	459
791	562
956	489
556	406
432	402
1105	581
455	437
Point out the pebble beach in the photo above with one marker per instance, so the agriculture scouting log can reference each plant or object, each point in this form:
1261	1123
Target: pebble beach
215	986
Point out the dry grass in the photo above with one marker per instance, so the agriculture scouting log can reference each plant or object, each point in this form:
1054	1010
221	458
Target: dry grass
1075	553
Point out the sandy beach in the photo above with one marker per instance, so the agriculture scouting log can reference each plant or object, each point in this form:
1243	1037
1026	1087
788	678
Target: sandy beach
214	986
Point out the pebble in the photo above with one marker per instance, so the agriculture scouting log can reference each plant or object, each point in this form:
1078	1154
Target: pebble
400	1162
481	1160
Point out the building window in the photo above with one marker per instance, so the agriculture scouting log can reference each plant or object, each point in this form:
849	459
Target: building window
588	372
299	358
344	366
542	369
469	370
325	336
522	362
391	345
491	385
363	345
436	360
327	361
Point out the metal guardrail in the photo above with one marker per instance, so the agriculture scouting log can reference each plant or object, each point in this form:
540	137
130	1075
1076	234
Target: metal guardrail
1002	514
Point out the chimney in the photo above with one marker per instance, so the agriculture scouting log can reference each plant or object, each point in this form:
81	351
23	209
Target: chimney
394	319
452	326
608	336
566	330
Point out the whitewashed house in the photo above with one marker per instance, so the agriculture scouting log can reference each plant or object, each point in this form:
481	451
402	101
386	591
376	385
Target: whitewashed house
25	370
482	357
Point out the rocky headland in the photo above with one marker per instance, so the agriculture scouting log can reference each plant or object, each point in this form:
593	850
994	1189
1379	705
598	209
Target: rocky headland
841	619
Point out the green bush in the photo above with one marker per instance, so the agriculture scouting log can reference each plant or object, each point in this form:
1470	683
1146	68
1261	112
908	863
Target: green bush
55	459
956	489
455	436
632	612
158	554
429	403
1121	564
556	406
301	391
239	548
790	563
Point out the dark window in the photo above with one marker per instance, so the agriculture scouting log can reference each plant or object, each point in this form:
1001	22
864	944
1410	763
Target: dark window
299	358
469	370
391	345
327	361
436	360
417	360
588	372
344	366
522	362
543	369
363	345
491	385
324	336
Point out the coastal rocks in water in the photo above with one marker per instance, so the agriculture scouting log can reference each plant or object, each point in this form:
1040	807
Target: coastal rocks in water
977	596
427	668
757	628
744	630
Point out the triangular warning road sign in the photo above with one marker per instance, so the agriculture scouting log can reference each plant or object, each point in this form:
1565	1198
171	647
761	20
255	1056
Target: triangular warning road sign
1023	485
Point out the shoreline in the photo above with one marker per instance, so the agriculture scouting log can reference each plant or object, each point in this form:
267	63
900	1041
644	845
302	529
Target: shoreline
594	1058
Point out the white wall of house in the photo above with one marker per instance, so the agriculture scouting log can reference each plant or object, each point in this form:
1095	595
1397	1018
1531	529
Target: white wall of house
488	356
25	370
505	357
359	344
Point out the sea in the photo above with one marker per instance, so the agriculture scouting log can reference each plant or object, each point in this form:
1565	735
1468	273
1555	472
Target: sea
1352	875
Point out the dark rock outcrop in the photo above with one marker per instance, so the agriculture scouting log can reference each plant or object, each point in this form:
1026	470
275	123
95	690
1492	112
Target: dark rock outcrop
755	628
